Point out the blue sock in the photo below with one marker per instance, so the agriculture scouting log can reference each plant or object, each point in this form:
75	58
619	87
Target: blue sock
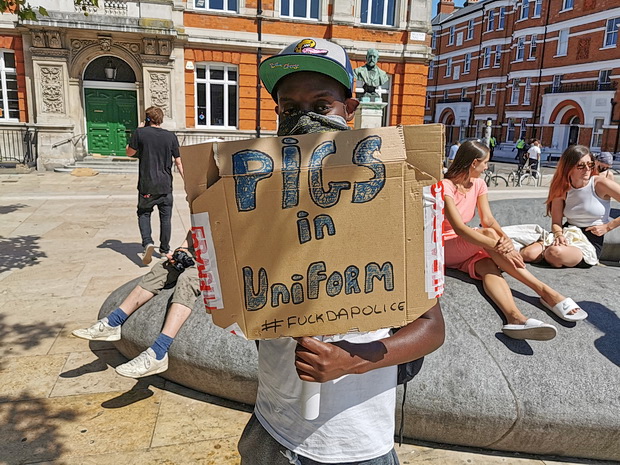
117	317
161	345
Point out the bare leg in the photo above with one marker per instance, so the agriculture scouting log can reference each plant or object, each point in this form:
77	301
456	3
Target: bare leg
547	293
177	315
498	290
532	253
563	255
136	299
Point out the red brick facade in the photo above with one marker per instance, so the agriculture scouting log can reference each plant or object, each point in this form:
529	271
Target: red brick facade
570	75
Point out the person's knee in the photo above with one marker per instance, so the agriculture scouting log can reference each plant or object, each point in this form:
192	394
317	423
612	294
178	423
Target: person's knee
554	256
489	232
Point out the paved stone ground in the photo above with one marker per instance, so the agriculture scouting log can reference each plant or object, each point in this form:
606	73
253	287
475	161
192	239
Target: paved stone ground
65	243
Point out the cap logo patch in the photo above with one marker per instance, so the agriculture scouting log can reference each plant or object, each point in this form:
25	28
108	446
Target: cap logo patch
308	46
284	65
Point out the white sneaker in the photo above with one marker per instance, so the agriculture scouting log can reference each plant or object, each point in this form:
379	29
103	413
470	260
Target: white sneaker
144	364
100	331
147	257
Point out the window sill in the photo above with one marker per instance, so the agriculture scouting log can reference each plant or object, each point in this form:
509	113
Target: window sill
291	18
217	128
531	59
560	56
564	11
607	47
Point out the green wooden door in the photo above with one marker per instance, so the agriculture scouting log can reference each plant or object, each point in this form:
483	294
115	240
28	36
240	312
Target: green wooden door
111	117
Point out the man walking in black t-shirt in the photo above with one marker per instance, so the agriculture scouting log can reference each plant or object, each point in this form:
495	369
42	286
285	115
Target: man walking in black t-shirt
155	149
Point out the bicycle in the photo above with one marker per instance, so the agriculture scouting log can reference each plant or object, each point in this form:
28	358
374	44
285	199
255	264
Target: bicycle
530	176
492	179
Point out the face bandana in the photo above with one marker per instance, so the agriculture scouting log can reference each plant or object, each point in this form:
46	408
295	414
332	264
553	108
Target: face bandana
308	122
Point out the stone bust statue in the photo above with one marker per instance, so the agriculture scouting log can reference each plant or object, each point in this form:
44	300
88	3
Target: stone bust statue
370	74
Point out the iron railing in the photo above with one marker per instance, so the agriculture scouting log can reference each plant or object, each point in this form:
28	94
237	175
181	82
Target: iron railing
581	87
18	146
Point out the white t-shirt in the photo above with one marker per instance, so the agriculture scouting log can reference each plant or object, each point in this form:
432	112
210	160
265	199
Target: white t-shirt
453	150
356	420
534	152
584	208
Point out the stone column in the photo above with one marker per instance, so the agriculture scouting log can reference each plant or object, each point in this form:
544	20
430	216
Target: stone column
369	114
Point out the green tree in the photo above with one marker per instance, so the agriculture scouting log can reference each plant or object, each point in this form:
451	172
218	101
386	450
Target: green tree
25	11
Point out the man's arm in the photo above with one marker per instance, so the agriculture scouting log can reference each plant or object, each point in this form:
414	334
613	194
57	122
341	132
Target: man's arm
130	152
319	361
179	165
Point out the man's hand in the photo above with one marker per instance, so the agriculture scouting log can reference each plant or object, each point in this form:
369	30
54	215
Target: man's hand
322	361
560	240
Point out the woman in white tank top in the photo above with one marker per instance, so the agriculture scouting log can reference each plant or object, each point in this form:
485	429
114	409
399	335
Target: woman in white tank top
584	200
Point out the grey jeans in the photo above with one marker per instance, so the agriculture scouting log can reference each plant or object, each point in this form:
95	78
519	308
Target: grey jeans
257	447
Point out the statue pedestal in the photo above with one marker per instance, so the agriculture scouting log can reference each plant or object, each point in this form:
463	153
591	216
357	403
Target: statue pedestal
369	114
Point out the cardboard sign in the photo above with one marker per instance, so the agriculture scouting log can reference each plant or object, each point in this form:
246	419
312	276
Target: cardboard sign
318	234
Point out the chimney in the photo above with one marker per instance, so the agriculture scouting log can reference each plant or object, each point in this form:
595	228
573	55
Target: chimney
469	2
445	7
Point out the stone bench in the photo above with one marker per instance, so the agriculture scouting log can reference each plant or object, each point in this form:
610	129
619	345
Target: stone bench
480	389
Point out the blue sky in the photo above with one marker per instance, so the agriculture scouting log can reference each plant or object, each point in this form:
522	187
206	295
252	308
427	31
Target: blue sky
435	2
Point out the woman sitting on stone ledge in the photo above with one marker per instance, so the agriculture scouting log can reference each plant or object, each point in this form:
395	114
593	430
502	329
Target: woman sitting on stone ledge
484	253
585	201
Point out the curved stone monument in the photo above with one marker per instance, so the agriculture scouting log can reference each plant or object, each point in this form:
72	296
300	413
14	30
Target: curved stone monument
480	389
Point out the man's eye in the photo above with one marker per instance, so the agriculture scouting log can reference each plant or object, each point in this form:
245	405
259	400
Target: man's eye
323	108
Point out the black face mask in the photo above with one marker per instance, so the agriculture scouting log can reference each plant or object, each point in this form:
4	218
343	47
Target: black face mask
308	122
602	170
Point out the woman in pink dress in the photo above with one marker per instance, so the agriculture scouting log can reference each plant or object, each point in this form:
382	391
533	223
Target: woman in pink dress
484	253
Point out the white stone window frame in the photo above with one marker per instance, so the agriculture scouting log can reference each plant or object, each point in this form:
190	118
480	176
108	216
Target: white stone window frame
467	63
448	67
597	133
4	70
486	57
604	76
537	9
533	47
567	5
611	33
385	23
493	95
470	29
501	20
491	21
562	49
497	61
520	49
308	16
222	10
524	13
431	70
207	82
527	92
515	93
482	98
451	35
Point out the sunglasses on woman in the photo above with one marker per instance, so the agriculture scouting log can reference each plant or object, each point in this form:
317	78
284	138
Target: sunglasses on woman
585	166
602	169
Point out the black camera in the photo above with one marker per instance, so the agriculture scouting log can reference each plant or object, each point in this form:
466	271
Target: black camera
181	260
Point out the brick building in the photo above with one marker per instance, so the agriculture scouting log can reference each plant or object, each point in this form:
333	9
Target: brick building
82	81
545	68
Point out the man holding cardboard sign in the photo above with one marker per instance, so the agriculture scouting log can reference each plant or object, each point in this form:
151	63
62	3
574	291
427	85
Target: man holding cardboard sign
311	82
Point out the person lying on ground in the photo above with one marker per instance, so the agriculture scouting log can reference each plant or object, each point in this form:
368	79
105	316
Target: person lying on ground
585	201
484	253
176	269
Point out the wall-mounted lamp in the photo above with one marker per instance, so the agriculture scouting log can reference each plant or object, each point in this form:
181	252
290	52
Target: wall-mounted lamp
110	70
